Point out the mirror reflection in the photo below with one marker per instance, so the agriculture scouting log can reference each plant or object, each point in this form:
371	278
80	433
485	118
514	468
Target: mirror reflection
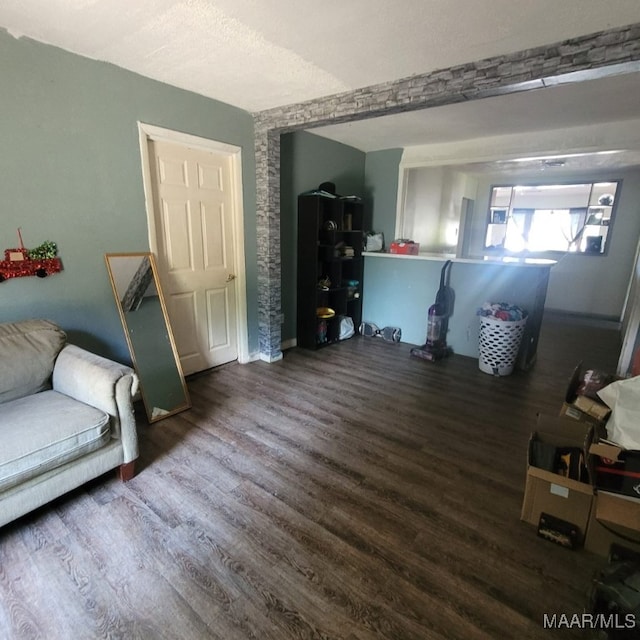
574	217
146	325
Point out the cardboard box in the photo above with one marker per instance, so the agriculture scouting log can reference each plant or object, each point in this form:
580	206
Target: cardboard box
552	493
405	247
570	411
581	407
614	469
592	408
614	520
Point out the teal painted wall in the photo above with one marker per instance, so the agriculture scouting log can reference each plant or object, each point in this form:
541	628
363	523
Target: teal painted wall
70	172
306	161
381	186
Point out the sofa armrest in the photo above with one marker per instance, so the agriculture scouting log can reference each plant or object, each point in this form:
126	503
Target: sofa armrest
104	384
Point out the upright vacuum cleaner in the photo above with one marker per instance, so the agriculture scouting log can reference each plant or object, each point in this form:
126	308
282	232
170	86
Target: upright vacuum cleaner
435	348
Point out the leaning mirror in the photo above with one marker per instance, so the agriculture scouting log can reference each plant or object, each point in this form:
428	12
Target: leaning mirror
148	332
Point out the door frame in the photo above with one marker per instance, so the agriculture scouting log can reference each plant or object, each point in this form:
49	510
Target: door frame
630	319
149	132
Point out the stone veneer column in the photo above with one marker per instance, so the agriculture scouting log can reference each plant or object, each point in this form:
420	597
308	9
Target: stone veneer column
576	60
268	232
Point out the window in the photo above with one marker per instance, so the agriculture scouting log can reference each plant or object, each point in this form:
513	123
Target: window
552	217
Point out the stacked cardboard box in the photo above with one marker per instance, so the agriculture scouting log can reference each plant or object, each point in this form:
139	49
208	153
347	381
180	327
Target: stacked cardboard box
614	519
581	401
548	491
615	514
603	501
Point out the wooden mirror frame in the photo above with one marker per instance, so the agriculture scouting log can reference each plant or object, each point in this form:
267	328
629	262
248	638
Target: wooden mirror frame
139	278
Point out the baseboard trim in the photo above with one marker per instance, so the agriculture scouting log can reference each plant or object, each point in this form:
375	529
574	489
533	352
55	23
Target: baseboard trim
270	359
252	357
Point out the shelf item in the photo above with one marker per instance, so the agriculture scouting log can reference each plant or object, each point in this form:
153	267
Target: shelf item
330	265
325	313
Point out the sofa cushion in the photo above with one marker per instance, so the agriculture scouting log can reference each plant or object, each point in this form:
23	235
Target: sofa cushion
46	430
28	351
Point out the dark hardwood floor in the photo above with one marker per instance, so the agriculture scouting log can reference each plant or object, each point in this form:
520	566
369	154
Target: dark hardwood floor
352	492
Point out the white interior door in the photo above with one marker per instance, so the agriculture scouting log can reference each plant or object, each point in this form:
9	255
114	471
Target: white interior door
193	219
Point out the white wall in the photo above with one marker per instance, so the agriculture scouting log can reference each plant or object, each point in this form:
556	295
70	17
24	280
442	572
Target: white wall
432	206
422	205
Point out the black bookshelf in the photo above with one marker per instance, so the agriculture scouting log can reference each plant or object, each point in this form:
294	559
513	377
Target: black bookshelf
330	266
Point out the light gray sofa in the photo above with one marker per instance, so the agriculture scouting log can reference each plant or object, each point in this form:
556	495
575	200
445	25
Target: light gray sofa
66	416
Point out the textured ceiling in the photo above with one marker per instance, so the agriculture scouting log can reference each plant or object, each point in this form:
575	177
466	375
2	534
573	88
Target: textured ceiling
258	54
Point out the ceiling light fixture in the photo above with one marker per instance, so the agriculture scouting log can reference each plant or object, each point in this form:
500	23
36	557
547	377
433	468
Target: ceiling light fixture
553	163
564	156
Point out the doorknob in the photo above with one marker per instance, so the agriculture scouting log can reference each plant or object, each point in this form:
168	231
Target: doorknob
231	276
